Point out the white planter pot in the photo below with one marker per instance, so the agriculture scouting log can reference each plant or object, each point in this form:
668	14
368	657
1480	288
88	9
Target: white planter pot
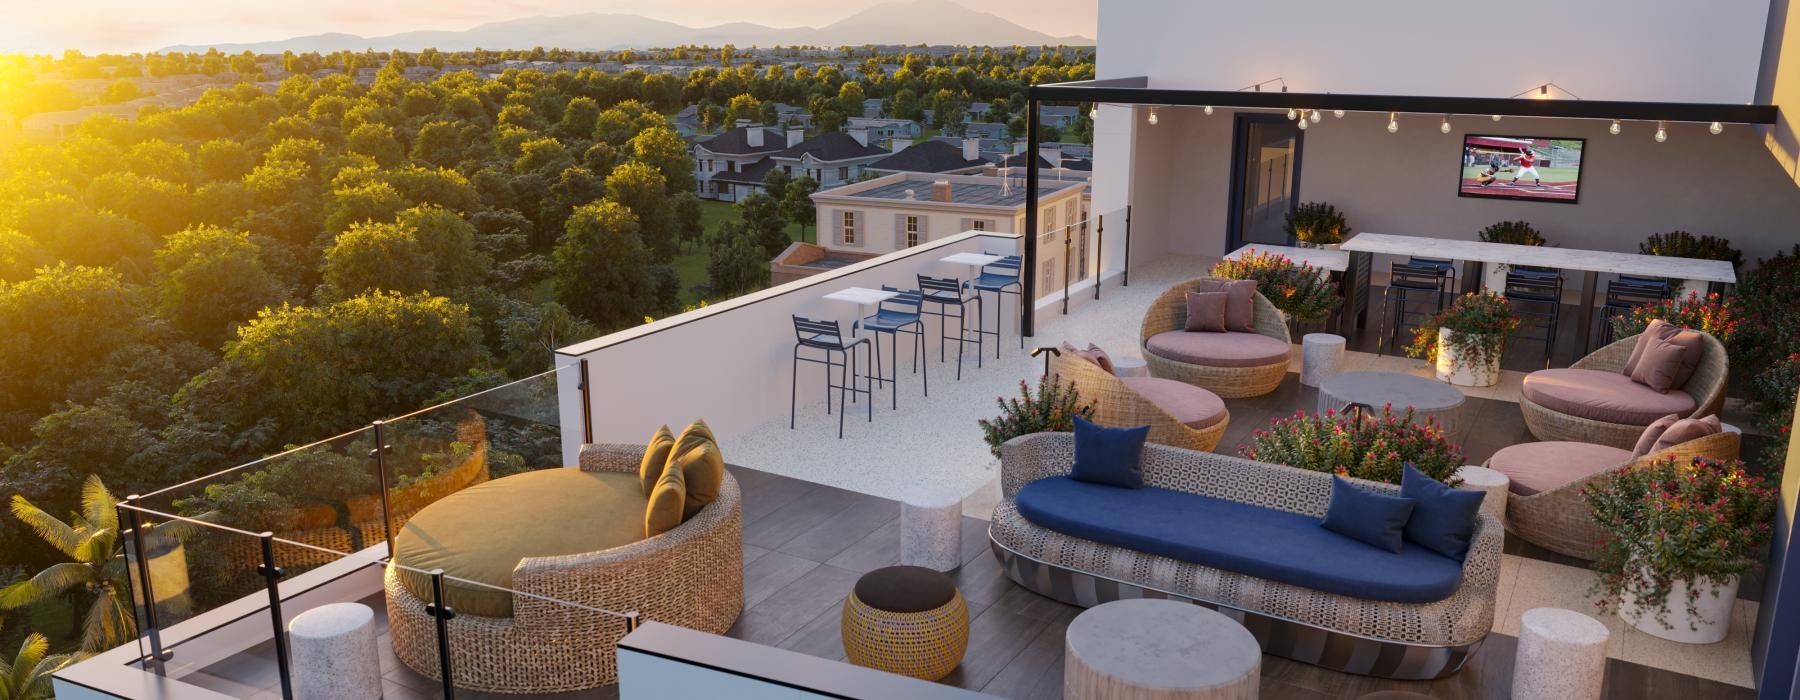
1449	369
1713	623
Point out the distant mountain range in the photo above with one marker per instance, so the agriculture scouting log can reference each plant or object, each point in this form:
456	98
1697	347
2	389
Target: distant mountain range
935	22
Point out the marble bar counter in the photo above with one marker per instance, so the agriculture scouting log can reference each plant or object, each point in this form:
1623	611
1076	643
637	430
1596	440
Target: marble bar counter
1333	260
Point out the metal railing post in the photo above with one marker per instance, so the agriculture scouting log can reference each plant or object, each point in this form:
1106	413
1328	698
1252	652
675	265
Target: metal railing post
1068	231
442	614
631	622
1125	279
271	577
130	519
379	452
587	405
1099	253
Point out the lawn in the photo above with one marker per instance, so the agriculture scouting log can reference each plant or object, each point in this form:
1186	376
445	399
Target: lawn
690	264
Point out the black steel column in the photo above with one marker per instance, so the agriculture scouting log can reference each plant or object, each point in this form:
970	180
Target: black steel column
271	577
1068	232
129	518
587	406
441	615
1126	281
1099	253
1028	270
379	452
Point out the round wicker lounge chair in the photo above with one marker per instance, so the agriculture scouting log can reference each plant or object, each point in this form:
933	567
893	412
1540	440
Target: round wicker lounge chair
1706	388
1119	404
1557	519
691	576
1169	314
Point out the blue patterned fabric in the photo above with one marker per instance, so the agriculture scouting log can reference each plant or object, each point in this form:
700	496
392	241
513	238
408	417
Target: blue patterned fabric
1443	518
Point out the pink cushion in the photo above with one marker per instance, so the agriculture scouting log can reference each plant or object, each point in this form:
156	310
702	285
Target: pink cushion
1206	312
1652	433
1685	430
1192	405
1603	396
1657	328
1219	349
1240	302
1093	354
1667	363
1535	467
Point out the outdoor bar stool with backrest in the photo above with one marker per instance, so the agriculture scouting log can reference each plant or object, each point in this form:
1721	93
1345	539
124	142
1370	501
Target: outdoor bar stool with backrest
1411	282
1536	292
826	336
900	314
999	277
1446	283
947	292
1626	292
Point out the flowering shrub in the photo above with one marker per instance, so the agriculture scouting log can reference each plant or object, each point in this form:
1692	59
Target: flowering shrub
1365	446
1675	521
1515	232
1052	410
1316	223
1303	292
1717	317
1775	389
1681	244
1478	324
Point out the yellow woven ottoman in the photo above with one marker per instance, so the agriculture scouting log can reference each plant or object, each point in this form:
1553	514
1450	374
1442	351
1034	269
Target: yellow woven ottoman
908	620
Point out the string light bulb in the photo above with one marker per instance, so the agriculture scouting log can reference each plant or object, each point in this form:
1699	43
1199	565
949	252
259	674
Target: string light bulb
1662	131
1152	116
1496	117
1094	112
1207	109
1393	123
1316	116
1614	129
1303	122
1715	128
1337	113
1291	113
1444	125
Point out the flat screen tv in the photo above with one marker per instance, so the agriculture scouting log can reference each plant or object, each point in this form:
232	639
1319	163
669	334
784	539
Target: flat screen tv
1521	167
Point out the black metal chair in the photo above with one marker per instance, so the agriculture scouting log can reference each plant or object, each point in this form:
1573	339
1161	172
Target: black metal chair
900	314
946	292
999	277
1626	292
1536	292
1447	283
826	336
1409	283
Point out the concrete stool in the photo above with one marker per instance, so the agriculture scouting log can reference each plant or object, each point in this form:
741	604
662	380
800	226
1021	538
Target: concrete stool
332	649
1562	655
1152	649
931	531
1130	366
1493	482
1320	356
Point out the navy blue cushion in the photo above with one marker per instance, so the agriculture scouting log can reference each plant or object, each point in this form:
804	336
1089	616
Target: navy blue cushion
1270	544
1366	516
1443	518
1109	455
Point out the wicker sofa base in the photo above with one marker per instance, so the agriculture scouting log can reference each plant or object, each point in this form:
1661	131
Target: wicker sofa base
1288	639
1549	426
1227	382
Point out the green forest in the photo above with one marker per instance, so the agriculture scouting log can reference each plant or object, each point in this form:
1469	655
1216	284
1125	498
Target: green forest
206	284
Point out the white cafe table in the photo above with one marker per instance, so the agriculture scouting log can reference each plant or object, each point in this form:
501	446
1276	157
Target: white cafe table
861	297
1322	258
1694	274
975	261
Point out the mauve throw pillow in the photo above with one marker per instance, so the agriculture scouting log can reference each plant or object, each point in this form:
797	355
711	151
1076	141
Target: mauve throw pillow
1240	302
1652	433
1093	354
1443	518
1657	329
1206	312
1667	363
1108	455
1365	516
1684	430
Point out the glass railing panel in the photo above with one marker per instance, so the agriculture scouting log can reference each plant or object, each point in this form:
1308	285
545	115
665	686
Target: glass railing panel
191	579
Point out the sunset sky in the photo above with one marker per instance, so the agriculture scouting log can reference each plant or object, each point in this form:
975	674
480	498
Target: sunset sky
117	26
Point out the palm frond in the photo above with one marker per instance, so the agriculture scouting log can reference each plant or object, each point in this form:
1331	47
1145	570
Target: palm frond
57	533
98	506
110	622
99	547
47	584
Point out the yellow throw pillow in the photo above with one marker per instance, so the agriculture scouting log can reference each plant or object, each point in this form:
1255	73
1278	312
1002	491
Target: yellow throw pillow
697	456
655	456
666	500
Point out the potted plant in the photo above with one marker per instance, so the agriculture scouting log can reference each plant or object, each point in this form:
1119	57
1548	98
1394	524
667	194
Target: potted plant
1362	445
1317	225
1678	535
1051	410
1464	342
1681	244
1514	232
1303	293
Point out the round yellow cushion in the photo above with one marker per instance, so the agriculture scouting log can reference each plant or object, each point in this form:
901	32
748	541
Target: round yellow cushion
480	533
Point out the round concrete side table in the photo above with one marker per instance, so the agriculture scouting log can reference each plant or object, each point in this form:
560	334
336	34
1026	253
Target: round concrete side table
1320	356
1151	649
332	652
1562	656
1428	398
1129	366
931	531
1494	483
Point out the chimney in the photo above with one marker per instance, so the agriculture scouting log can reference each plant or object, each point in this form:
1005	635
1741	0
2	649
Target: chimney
1052	154
909	193
899	144
1018	146
971	149
752	135
861	136
940	191
795	136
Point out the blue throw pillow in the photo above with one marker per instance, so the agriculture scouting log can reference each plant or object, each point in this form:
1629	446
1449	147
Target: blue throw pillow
1366	516
1109	455
1443	520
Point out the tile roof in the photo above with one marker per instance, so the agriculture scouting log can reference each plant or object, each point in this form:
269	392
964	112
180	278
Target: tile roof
928	157
993	195
752	174
829	146
734	141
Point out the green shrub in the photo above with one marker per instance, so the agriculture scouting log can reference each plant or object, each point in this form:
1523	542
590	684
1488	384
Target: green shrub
1514	232
1303	292
1372	446
1052	410
1316	223
1681	244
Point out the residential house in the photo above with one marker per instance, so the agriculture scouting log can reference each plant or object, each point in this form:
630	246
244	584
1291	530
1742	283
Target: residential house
792	116
730	169
1059	116
874	107
882	129
934	156
985	130
720	162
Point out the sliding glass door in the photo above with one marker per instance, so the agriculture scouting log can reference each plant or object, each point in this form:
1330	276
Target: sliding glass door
1265	179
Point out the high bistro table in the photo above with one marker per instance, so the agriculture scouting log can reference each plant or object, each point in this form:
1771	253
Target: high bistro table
862	297
1694	274
975	261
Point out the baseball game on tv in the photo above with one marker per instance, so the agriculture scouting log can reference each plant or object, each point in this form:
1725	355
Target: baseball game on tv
1521	167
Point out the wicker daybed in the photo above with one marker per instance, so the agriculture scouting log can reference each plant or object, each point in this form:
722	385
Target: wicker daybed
1402	640
1228	376
1701	396
691	576
1119	403
1557	518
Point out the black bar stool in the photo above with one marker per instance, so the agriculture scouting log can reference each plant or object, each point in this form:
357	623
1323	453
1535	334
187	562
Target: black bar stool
1536	292
946	292
825	336
1409	283
1626	292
